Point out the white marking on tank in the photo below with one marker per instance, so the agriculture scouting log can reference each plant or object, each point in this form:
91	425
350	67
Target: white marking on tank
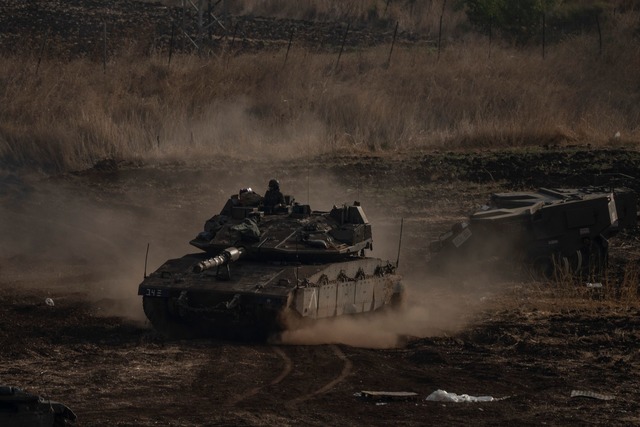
313	298
288	237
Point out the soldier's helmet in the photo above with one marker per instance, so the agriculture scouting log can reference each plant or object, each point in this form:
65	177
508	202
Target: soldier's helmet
274	184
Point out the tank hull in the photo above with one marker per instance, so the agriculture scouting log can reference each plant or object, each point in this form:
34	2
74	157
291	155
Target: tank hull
253	298
552	230
21	409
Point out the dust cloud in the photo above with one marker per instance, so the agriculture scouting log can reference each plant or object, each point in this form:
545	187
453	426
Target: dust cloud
426	311
65	238
87	234
242	129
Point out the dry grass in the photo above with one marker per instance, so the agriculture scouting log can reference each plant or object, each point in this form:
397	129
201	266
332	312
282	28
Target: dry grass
618	287
70	114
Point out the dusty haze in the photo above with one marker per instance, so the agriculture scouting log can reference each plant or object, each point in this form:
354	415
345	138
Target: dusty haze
90	231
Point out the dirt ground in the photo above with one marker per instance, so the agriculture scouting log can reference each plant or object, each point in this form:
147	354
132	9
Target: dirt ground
80	239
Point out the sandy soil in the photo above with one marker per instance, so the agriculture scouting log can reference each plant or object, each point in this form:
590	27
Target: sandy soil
80	239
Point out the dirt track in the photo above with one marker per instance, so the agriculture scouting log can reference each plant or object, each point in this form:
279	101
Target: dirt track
80	240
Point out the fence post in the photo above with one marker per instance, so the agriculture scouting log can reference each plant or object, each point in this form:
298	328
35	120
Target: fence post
490	33
233	37
209	22
393	42
288	47
544	33
104	56
444	4
599	34
173	29
44	43
344	39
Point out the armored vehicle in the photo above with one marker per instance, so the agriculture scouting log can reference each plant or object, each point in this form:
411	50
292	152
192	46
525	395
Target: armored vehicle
553	230
19	408
262	267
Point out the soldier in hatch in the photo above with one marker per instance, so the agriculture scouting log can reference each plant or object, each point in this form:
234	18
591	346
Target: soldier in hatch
273	198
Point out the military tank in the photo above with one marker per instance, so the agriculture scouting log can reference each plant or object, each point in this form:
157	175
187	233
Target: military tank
552	230
19	408
263	268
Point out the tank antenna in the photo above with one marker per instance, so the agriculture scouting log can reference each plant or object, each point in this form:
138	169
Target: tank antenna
308	171
399	242
145	261
297	264
308	191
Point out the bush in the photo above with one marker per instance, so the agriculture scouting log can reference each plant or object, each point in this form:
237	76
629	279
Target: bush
521	21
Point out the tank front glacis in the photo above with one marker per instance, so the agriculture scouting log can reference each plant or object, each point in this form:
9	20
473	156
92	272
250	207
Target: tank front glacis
259	265
563	227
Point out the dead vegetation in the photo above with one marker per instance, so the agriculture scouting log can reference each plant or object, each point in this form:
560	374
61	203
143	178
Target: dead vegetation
68	114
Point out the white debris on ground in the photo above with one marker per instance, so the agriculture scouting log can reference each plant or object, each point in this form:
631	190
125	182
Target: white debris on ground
443	396
591	395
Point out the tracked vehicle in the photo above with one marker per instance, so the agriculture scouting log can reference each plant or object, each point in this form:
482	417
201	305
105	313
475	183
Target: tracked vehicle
552	230
19	408
262	268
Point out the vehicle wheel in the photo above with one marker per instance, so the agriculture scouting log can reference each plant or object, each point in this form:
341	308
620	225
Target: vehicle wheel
159	314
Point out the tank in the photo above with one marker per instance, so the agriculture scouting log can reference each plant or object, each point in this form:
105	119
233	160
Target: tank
262	269
552	230
20	409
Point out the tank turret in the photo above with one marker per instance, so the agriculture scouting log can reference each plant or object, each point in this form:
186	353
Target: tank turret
293	232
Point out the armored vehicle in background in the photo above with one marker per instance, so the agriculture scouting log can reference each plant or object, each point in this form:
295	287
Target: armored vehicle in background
263	266
552	230
19	408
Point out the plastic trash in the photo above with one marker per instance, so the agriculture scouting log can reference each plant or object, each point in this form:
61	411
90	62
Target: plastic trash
594	285
49	302
443	396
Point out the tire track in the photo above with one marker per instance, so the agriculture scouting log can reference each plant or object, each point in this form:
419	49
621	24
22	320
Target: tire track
346	370
286	370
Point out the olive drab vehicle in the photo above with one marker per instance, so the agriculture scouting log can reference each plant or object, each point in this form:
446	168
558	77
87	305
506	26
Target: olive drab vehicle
19	408
551	230
261	266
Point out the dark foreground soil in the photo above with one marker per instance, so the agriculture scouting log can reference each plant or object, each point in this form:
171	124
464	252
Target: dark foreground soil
80	239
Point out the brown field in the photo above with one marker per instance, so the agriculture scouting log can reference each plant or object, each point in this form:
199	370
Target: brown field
425	138
63	108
